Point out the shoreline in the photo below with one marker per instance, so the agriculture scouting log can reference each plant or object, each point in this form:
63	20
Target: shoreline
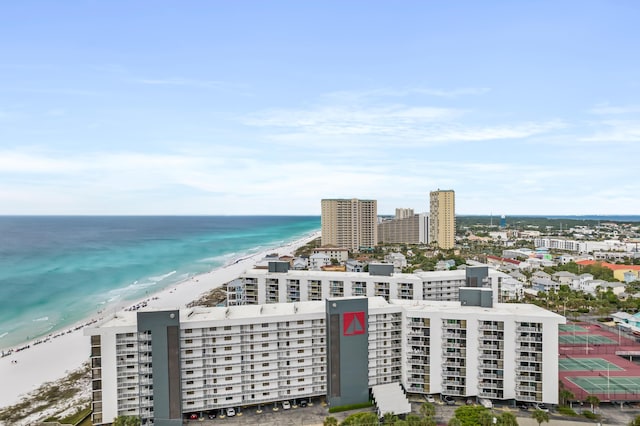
52	357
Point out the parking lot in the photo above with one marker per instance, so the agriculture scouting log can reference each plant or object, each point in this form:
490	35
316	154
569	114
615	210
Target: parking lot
317	411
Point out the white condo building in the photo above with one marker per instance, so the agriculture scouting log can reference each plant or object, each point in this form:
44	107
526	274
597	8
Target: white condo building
162	364
281	285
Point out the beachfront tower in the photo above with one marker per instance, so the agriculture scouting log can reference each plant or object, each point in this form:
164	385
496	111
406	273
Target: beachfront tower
442	221
350	224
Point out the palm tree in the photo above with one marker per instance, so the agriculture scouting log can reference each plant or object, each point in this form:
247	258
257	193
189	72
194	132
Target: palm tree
540	416
566	396
508	419
594	401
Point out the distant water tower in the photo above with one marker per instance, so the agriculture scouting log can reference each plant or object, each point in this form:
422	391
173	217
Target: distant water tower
503	221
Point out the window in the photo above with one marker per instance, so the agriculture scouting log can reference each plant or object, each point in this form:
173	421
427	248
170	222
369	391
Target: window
227	327
227	348
188	341
228	368
188	331
228	358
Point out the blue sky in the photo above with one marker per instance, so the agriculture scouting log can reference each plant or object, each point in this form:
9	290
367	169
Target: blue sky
266	107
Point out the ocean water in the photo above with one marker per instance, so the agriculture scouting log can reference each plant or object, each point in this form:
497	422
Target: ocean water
55	271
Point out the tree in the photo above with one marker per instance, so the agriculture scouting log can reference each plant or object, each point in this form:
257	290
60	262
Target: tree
594	401
635	422
472	415
330	421
427	409
360	419
565	396
540	416
507	419
127	421
454	422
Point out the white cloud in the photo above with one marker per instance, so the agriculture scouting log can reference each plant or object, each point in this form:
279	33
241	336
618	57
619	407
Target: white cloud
606	109
185	82
615	131
368	95
404	124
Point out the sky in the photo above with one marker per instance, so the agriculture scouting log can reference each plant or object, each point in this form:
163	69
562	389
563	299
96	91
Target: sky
267	107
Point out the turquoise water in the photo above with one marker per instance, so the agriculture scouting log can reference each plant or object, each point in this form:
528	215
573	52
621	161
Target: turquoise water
55	271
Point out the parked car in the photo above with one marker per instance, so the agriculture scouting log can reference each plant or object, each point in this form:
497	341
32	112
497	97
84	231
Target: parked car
524	407
541	407
303	403
231	412
448	400
430	398
193	416
286	405
486	403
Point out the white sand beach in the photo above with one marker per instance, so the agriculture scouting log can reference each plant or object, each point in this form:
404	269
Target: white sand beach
25	370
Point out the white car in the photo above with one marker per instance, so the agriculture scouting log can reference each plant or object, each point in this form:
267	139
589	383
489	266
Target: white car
231	412
286	405
541	407
430	398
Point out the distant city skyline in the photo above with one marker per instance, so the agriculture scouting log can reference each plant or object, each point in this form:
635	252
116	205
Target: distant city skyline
212	108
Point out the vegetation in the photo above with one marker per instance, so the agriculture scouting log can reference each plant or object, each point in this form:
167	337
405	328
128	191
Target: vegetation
307	249
474	415
507	419
540	416
635	421
50	394
126	421
330	421
348	407
567	411
360	419
590	415
594	401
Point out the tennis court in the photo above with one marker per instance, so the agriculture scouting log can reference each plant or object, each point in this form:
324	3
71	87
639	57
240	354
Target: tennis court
572	327
587	364
585	338
602	384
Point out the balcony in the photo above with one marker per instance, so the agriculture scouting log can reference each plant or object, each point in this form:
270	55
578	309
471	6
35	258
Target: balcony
528	329
492	327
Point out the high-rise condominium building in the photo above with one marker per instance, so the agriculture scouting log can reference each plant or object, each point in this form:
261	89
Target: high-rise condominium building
350	224
164	365
402	213
412	229
442	209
